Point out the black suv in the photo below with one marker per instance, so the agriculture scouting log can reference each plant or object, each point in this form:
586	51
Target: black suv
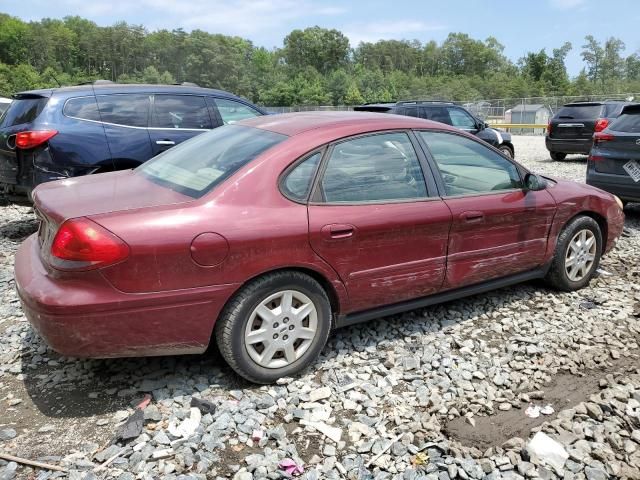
571	129
66	132
449	113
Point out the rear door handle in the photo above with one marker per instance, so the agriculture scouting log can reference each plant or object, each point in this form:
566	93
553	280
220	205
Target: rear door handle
472	216
165	142
337	231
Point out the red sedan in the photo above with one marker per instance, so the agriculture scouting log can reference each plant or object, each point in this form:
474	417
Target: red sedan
266	234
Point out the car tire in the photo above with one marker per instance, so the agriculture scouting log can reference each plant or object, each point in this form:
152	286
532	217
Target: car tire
557	156
572	266
506	150
259	306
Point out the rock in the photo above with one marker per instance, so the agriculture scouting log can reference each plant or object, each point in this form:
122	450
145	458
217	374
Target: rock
595	474
319	394
547	451
7	434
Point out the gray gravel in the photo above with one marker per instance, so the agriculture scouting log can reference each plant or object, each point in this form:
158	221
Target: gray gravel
438	393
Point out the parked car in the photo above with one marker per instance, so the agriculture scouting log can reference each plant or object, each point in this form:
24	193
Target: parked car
4	105
571	129
263	235
72	131
614	162
449	114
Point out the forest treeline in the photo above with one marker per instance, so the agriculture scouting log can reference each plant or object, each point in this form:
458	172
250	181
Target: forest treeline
314	66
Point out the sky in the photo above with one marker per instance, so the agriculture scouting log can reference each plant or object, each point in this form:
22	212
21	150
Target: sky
520	25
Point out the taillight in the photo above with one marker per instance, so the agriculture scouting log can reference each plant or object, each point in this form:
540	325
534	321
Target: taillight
33	138
601	124
81	244
602	137
595	158
549	128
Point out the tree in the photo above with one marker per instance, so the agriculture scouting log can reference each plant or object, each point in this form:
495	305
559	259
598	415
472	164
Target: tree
320	48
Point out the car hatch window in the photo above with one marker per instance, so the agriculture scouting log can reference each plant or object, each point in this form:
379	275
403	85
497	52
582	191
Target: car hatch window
124	109
579	112
629	123
232	111
180	111
461	119
297	182
375	168
23	110
84	108
468	167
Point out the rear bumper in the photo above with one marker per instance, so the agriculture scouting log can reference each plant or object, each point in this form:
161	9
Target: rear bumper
87	317
568	145
621	185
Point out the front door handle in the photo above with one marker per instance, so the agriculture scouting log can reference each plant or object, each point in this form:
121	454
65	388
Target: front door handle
338	231
472	216
165	142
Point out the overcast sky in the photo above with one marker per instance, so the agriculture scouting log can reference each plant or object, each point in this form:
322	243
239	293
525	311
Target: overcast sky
520	25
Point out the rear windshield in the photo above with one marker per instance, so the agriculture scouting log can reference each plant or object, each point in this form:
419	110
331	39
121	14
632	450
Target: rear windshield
23	111
629	122
196	166
579	111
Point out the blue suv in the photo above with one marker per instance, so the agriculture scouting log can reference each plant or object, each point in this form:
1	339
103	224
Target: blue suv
101	127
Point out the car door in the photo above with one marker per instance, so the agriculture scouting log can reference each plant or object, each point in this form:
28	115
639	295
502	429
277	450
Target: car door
498	228
373	219
126	118
176	118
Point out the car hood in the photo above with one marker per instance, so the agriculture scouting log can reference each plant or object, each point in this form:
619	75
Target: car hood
102	193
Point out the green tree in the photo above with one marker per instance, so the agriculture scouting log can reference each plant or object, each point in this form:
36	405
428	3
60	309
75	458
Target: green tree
320	48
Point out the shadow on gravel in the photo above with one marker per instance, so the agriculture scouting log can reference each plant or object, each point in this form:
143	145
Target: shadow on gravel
18	230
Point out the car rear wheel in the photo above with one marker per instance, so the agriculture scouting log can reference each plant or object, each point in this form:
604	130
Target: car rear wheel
505	149
577	254
557	156
274	327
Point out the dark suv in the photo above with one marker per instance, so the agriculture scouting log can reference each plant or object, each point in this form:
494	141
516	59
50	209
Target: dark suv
66	132
449	113
571	129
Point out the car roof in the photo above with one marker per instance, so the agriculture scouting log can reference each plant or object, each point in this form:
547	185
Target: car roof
294	123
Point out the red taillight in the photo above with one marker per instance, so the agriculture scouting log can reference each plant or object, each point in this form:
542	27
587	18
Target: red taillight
601	124
595	158
82	244
33	138
603	137
549	128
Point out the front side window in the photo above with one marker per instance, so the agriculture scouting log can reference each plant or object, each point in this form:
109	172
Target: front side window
469	168
297	182
376	168
180	111
84	108
128	110
461	119
232	111
196	166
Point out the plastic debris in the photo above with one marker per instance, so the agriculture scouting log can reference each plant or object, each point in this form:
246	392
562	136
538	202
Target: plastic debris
421	458
602	271
546	450
188	426
290	467
205	406
332	433
547	410
532	411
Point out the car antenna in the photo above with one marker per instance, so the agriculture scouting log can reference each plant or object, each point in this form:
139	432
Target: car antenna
54	77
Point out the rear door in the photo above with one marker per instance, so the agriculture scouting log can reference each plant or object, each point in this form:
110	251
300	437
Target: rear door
18	118
373	219
176	118
126	120
575	122
498	228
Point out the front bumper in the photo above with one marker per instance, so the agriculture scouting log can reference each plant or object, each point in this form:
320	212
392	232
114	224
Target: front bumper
85	316
562	145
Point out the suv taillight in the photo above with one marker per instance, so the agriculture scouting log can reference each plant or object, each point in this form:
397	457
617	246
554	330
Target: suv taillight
81	244
601	124
33	138
602	137
549	128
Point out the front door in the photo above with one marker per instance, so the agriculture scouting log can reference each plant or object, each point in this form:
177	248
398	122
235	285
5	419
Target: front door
373	219
498	228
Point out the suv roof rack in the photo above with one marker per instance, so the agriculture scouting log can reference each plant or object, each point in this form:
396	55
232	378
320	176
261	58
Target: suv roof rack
100	81
402	102
187	84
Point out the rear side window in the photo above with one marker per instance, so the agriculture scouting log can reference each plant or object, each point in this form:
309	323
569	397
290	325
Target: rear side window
180	111
439	114
84	108
231	111
127	110
612	109
297	183
24	110
579	111
410	111
629	123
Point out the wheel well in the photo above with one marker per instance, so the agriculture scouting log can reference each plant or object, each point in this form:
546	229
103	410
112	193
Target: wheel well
602	223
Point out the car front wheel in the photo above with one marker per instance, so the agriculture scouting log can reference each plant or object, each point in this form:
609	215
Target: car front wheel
557	156
577	254
506	150
274	327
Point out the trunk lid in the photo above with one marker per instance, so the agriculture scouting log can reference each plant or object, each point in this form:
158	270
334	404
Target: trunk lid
575	122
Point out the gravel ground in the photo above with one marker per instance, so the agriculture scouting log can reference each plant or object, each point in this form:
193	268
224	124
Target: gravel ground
438	393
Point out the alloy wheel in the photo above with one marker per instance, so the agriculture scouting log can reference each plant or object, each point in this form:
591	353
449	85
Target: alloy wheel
580	256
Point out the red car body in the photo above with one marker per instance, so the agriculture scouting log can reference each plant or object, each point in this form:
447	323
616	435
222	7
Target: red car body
187	257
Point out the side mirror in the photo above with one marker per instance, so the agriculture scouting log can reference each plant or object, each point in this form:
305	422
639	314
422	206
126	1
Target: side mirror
534	182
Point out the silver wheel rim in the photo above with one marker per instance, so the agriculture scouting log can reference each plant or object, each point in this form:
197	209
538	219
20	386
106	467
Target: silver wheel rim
281	329
581	255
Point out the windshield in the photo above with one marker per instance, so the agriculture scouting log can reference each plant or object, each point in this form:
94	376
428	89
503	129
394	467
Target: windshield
196	166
